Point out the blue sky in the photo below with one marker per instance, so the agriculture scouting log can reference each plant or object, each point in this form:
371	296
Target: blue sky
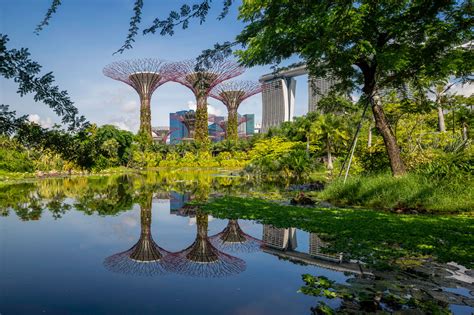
80	41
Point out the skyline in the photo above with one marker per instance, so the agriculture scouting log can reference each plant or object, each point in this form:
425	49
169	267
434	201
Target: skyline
80	42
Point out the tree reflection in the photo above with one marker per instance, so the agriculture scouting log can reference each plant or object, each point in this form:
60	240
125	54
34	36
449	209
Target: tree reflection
233	239
145	258
109	195
202	259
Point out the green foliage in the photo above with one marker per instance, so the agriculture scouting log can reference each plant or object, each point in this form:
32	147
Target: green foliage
411	192
364	296
15	160
380	239
280	157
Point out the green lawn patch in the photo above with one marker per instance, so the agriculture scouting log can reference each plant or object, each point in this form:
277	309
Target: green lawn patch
410	192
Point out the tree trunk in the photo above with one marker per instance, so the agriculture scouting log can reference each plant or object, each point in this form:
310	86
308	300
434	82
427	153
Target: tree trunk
201	135
464	131
441	124
329	166
369	136
145	118
393	151
232	125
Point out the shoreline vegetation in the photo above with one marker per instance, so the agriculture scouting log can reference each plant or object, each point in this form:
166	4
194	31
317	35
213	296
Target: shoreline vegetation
408	194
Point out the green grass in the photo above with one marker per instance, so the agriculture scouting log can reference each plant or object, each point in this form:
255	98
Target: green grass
381	239
408	192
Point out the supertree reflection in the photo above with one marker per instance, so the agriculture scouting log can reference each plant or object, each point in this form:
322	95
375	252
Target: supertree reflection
202	259
234	240
145	258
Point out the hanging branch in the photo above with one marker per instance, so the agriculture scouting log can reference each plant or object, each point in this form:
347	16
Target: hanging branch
133	30
45	22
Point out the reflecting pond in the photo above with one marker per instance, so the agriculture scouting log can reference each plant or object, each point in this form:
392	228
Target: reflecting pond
133	244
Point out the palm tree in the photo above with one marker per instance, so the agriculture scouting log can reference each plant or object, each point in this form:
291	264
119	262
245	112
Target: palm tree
328	131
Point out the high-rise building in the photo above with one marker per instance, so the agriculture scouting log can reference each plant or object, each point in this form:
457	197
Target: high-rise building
317	89
278	100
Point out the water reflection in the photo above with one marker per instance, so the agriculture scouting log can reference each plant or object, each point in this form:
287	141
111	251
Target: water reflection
282	242
234	240
145	258
202	259
235	250
109	195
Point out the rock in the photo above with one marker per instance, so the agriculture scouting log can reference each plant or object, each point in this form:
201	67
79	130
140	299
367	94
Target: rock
302	199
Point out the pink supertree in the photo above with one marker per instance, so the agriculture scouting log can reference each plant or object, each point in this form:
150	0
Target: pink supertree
201	81
232	94
145	76
162	134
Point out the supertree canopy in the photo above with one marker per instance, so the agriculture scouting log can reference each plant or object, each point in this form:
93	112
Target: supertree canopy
145	258
202	259
233	239
162	133
145	76
201	81
232	94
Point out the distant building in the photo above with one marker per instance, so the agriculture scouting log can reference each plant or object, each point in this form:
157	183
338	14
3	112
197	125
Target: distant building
180	129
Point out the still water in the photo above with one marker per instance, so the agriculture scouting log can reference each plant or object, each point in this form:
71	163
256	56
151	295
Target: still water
132	245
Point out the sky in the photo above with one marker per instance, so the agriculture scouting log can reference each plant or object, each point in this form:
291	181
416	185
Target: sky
80	41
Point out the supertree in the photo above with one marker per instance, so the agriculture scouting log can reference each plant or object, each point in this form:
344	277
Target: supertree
145	258
233	239
232	94
162	133
202	259
201	81
145	76
224	125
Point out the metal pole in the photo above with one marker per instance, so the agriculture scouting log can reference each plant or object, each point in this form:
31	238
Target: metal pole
353	144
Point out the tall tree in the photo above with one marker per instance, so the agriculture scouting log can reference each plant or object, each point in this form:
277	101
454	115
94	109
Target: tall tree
370	44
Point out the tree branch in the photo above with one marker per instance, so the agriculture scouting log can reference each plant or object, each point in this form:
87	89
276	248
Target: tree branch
52	9
133	30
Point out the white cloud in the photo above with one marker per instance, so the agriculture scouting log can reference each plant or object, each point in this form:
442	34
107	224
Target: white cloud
192	105
130	107
45	123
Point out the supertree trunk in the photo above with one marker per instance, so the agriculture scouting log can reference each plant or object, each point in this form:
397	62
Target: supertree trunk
145	118
201	133
232	125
